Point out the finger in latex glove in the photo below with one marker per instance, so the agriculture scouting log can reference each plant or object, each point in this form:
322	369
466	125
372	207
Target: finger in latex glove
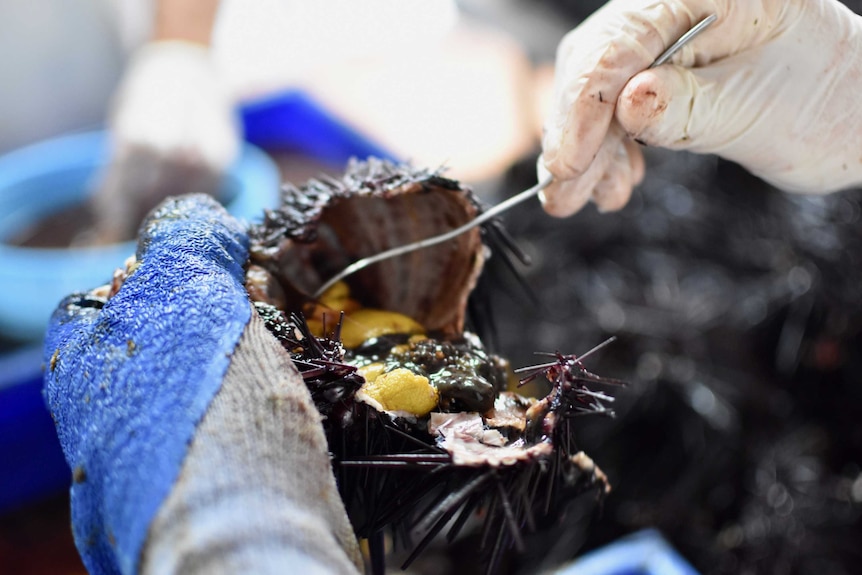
173	131
608	181
771	85
194	443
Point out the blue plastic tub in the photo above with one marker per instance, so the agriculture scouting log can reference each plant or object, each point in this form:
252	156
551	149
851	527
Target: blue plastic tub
643	553
293	122
49	177
31	461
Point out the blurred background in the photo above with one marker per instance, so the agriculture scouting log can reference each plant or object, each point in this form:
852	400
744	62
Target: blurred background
738	308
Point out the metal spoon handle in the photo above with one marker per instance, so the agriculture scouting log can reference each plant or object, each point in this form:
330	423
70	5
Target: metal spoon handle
684	39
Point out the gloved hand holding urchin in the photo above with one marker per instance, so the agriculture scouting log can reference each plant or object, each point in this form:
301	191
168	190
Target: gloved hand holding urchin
194	444
771	85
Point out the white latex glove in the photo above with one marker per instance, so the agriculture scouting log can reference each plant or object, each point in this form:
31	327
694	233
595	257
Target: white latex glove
174	131
772	85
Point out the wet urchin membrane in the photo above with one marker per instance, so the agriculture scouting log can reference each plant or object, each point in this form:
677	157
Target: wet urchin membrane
426	426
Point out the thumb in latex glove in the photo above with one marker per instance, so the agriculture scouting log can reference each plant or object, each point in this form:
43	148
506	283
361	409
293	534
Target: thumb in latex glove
194	443
771	85
173	131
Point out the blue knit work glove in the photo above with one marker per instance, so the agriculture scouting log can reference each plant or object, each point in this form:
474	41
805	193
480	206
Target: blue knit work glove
193	442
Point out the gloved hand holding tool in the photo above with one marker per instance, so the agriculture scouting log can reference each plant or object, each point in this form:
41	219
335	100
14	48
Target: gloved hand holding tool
194	443
173	125
771	85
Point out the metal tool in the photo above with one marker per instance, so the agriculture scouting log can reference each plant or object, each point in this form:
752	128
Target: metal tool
502	206
684	39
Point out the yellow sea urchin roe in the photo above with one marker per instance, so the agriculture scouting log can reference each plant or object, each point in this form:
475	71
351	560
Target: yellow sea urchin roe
371	371
316	326
402	390
405	348
329	307
364	324
338	298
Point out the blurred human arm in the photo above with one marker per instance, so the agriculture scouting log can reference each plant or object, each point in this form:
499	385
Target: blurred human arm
172	123
187	20
771	85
